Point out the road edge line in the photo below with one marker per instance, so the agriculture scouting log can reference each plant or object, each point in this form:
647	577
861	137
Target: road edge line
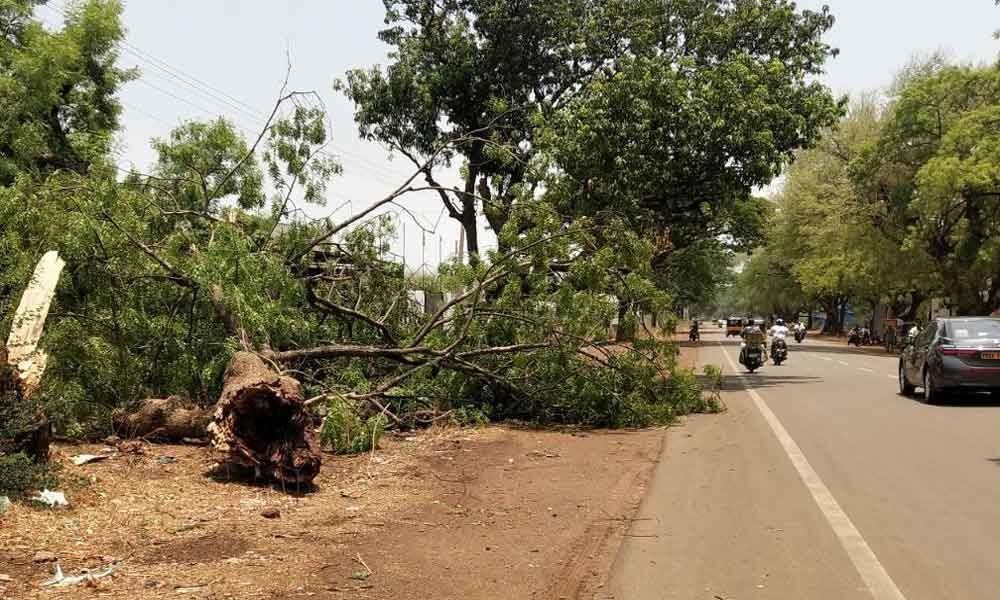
879	583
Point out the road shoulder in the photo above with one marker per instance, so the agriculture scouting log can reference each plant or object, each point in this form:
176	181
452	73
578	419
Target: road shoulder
727	516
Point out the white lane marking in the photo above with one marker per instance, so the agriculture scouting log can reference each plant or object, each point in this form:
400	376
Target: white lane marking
843	363
891	376
881	586
826	358
866	370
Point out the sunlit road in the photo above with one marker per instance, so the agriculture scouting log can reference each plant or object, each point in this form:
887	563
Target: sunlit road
828	484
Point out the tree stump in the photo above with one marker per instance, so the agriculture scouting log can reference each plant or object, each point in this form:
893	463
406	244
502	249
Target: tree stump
261	422
25	427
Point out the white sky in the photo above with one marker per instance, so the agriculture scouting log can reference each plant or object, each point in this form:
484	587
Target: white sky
238	48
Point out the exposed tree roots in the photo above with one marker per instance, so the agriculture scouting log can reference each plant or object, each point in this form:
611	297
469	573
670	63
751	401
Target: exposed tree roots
261	422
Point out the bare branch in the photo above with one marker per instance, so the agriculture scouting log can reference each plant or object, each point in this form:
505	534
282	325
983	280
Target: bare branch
349	312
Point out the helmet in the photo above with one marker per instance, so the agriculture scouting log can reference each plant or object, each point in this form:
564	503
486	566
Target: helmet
779	322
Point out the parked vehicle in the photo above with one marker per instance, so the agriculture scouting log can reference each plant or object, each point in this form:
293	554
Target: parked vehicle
952	354
854	337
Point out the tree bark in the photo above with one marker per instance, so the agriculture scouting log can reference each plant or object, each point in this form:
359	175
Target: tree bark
261	422
169	419
22	363
833	324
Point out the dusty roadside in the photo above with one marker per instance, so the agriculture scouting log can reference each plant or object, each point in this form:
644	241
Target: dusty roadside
488	513
456	513
834	340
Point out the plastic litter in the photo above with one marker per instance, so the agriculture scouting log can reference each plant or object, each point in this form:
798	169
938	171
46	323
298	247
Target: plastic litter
82	459
50	498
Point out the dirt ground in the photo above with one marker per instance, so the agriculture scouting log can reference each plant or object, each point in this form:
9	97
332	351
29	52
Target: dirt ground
471	514
487	513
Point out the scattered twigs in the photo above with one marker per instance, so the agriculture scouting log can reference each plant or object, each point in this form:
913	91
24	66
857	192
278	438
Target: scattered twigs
361	561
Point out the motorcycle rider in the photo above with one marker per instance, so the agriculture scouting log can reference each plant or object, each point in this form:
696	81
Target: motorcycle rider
865	335
800	330
694	334
778	333
751	331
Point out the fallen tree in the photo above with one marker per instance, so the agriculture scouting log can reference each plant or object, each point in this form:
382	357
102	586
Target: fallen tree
170	419
323	341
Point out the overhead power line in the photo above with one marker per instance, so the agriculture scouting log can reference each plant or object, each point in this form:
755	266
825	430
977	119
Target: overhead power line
256	118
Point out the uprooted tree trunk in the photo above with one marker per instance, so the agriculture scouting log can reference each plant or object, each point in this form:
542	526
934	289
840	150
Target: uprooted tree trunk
22	363
171	419
261	422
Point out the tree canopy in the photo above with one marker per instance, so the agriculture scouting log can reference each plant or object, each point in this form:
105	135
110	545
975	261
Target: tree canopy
667	113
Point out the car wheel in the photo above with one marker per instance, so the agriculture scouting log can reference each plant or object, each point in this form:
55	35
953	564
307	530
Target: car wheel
932	395
905	388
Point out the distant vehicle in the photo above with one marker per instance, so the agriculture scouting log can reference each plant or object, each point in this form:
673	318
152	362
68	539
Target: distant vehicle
734	326
952	354
722	323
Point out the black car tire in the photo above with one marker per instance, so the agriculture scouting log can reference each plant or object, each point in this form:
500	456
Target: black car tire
932	395
905	387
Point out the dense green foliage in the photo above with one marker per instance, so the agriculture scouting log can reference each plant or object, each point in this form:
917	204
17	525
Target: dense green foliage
897	204
666	114
612	146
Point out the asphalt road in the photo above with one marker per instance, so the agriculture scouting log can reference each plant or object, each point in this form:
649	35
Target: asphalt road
820	481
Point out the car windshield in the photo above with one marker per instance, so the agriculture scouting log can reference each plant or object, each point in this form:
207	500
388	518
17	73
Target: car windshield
975	331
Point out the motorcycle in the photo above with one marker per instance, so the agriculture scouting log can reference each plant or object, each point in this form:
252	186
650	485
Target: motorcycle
752	354
854	338
800	335
779	351
753	358
694	335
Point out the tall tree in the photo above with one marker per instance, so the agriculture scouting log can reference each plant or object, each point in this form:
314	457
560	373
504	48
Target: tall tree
931	178
676	108
57	88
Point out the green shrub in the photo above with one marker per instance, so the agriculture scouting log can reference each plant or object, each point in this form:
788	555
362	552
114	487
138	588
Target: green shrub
344	431
20	476
18	473
471	416
713	373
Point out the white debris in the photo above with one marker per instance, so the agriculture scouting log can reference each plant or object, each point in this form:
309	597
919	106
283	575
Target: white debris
60	580
50	498
82	459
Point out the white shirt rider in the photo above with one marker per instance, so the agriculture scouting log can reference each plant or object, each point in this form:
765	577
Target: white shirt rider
778	332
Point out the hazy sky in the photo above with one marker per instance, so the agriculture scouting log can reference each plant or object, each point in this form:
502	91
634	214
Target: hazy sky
204	58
